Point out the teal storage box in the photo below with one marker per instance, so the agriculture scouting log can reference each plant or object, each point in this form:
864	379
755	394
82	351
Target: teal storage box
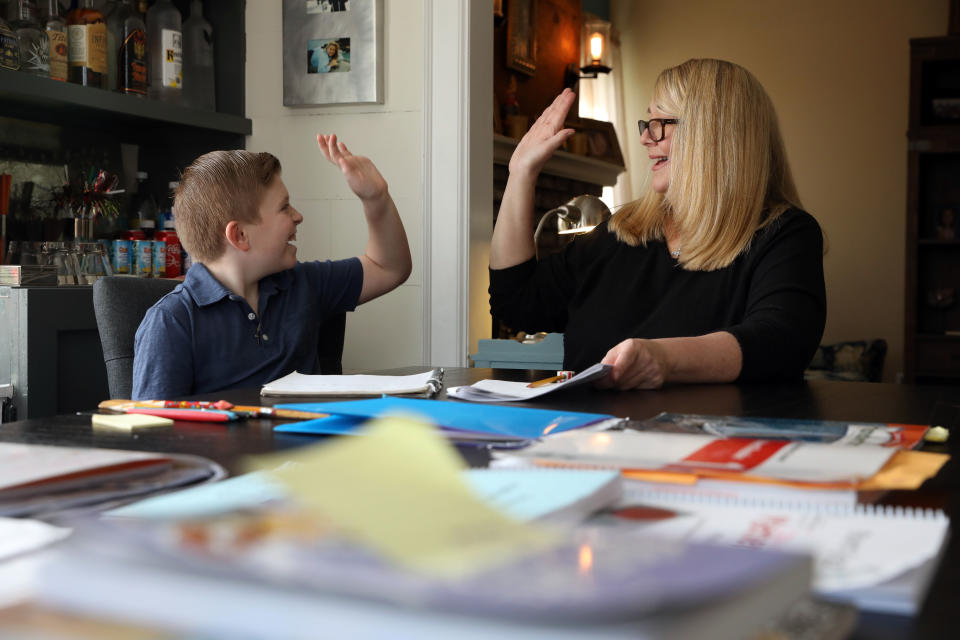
510	354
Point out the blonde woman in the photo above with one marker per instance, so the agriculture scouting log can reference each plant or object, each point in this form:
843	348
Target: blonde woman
715	275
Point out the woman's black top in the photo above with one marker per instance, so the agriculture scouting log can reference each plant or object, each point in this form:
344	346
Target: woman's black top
600	291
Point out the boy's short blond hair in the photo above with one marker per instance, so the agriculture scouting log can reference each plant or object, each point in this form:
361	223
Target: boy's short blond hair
218	187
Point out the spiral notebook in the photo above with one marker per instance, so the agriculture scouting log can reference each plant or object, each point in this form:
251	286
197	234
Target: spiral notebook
877	557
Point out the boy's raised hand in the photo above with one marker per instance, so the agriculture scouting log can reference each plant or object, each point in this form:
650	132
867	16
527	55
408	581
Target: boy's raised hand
361	174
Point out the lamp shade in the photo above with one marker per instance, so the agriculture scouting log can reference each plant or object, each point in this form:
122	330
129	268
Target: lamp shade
595	48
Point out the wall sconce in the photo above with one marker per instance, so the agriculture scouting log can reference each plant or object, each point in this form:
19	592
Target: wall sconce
595	48
580	215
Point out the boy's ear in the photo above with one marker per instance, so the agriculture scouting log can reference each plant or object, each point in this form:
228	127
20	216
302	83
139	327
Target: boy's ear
237	236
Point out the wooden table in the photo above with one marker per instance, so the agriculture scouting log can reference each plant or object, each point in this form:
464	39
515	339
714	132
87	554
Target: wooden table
825	400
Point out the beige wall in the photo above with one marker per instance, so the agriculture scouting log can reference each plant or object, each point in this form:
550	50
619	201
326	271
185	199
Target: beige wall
385	332
838	72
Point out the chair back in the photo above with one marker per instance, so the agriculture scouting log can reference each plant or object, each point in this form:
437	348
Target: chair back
330	345
120	303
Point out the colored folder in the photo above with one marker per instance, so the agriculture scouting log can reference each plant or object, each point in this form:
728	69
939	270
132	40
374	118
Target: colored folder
466	421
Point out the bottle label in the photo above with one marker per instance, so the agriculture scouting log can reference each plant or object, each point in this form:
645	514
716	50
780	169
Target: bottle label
132	63
172	47
9	49
87	46
58	55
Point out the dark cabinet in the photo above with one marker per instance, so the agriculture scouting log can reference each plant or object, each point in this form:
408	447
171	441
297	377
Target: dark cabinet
932	304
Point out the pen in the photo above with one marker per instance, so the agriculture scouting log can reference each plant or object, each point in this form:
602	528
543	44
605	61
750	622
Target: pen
245	411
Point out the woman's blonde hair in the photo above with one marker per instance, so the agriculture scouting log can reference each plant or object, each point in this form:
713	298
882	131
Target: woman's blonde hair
729	173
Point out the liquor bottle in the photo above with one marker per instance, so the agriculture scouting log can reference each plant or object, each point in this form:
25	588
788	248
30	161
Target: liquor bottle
131	59
57	35
9	47
87	46
34	44
165	38
198	76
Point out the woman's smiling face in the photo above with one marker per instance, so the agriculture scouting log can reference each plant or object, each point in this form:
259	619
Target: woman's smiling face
659	152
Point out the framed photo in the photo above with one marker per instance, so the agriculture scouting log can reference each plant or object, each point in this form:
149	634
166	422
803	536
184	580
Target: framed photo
332	52
944	223
522	36
601	139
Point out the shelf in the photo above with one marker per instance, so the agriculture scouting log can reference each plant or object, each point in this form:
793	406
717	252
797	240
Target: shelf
39	99
563	163
937	242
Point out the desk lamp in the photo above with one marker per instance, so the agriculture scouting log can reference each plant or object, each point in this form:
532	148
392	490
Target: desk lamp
579	215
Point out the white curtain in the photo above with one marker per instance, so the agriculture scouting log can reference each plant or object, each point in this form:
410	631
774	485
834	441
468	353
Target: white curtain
601	98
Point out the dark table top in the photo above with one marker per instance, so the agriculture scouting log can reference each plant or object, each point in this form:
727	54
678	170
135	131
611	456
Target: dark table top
821	399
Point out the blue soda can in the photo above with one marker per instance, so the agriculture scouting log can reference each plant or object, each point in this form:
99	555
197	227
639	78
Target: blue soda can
159	258
120	253
141	261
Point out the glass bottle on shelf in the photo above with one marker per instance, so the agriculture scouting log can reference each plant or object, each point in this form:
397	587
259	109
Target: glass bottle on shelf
132	50
87	46
198	75
165	38
34	44
9	47
56	28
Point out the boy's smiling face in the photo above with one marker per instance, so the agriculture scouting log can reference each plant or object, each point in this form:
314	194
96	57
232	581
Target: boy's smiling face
271	239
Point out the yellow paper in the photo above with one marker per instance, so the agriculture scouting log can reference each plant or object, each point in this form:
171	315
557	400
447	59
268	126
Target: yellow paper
129	421
905	470
398	489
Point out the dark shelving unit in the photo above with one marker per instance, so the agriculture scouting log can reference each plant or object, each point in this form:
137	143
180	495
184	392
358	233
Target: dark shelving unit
932	303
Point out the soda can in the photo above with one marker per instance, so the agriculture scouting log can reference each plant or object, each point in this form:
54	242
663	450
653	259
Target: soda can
141	258
120	254
159	258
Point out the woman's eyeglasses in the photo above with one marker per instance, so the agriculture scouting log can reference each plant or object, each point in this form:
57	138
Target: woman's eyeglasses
656	127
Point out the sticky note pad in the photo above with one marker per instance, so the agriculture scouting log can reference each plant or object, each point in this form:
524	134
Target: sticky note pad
129	421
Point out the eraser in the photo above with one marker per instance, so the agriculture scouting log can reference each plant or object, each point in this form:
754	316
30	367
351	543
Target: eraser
129	420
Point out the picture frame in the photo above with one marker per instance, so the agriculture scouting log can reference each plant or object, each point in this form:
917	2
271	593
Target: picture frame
601	139
522	36
332	52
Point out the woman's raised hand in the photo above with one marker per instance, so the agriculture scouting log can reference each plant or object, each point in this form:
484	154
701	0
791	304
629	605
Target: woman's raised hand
544	137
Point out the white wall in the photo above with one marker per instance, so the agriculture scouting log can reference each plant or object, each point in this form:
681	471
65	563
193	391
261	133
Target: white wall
385	332
838	73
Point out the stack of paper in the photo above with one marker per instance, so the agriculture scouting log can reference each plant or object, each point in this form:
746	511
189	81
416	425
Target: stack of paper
503	391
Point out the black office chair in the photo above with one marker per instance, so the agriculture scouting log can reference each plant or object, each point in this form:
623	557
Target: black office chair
330	345
120	302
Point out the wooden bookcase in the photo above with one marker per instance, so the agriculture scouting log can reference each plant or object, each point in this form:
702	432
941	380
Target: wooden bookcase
932	304
48	338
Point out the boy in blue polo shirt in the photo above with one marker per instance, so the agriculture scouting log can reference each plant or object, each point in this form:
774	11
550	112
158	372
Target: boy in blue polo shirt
247	311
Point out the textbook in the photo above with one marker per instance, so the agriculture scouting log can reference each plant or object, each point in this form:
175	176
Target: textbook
549	495
504	391
39	480
298	384
595	584
709	456
458	420
901	436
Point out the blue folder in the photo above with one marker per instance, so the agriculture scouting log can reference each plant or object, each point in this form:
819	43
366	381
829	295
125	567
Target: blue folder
484	421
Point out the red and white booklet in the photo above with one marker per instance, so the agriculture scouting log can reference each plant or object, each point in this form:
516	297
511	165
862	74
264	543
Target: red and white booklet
784	460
